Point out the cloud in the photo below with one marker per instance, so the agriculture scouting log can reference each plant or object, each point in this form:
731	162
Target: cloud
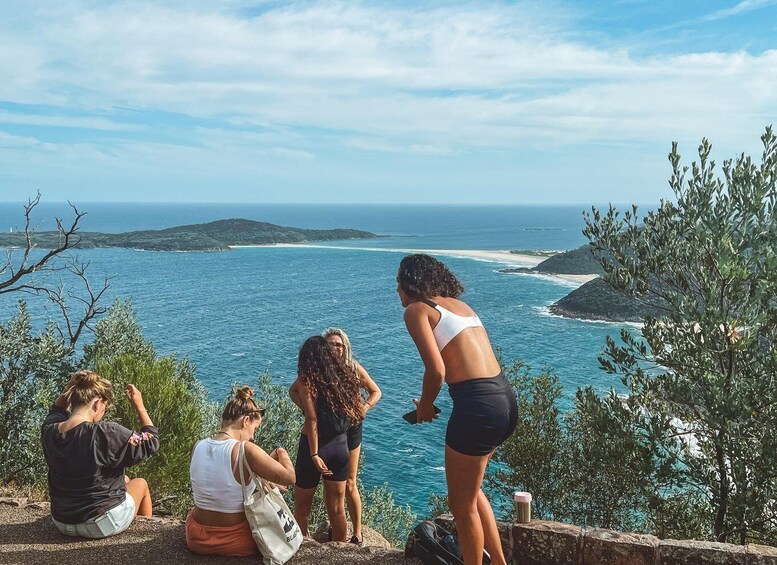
92	123
287	153
311	76
380	147
741	8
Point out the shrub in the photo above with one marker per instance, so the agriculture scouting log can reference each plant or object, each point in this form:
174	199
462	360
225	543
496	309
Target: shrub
33	368
177	403
175	411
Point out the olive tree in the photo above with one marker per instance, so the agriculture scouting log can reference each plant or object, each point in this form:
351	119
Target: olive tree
703	371
33	366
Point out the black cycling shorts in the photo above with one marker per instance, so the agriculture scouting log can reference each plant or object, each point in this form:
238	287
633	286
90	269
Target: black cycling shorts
485	414
354	436
335	454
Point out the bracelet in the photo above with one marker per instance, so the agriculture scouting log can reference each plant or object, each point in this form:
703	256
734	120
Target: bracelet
144	410
314	454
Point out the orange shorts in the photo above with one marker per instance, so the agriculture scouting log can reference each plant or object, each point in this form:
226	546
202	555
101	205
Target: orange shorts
227	541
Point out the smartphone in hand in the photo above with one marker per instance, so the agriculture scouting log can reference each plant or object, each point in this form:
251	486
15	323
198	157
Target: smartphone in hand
412	416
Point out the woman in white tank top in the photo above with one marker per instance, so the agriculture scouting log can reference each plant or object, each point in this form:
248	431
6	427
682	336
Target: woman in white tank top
217	524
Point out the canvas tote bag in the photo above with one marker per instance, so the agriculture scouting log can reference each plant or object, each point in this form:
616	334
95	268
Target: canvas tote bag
275	531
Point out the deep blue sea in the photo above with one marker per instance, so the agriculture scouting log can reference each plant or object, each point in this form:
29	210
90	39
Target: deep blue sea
237	314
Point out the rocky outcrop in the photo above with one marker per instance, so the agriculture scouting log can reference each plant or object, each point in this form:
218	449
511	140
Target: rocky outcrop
597	300
27	537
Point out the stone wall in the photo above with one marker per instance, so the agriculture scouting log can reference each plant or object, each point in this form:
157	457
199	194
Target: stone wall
554	543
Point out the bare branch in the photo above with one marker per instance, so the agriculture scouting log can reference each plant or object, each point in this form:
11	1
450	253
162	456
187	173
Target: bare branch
20	276
68	239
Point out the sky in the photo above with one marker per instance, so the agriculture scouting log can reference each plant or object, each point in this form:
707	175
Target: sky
550	102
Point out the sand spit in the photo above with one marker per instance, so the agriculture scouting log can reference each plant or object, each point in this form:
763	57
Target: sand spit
502	257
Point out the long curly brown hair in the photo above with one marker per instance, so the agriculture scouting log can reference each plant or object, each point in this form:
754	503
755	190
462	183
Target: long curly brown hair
422	276
329	377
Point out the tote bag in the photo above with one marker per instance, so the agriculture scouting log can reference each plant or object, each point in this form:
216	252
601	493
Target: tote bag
275	531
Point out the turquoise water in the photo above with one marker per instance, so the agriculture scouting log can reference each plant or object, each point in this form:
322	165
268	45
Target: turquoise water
240	313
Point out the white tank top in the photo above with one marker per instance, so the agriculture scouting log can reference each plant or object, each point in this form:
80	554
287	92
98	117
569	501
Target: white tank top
450	324
213	483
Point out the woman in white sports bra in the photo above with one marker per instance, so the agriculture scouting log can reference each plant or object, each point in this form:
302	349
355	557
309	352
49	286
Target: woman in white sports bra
217	524
455	349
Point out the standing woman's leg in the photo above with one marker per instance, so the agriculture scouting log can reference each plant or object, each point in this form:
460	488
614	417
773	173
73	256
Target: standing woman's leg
303	501
475	522
352	496
334	500
491	537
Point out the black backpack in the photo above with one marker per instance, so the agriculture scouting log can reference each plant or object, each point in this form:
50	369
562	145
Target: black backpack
434	545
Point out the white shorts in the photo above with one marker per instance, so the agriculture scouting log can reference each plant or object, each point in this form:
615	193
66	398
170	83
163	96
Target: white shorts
112	522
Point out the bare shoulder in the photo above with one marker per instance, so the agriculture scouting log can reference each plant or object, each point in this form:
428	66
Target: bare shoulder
254	449
456	306
416	310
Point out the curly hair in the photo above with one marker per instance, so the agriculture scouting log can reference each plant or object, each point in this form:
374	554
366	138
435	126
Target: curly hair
85	386
421	276
329	377
241	404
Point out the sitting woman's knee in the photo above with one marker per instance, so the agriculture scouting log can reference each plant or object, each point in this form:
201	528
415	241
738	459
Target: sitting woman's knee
140	481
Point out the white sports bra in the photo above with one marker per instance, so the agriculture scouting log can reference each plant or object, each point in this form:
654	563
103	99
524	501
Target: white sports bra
450	324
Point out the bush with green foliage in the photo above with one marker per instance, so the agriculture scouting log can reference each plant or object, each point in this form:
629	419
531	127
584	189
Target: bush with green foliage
33	368
705	370
176	402
590	465
535	456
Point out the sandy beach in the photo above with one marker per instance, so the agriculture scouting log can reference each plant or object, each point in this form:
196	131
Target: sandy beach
503	257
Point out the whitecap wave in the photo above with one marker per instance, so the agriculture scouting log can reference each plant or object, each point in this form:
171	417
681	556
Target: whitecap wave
545	311
550	278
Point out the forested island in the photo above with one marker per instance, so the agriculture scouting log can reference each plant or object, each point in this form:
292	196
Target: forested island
220	235
594	300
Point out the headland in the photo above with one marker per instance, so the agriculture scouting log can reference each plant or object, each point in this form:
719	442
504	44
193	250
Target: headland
220	235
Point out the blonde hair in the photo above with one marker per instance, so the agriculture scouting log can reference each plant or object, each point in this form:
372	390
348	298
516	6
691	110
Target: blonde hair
347	352
85	386
241	404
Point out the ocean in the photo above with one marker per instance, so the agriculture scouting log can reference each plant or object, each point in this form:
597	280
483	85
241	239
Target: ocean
238	314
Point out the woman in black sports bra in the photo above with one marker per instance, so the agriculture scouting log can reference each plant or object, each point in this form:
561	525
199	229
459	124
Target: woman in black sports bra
455	349
329	398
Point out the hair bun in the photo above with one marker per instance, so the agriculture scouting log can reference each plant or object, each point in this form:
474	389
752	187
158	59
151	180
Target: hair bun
85	378
244	393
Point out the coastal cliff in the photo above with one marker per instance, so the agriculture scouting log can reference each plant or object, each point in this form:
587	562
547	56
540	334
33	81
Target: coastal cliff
595	299
220	235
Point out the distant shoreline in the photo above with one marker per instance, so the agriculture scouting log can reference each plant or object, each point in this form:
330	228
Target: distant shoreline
504	257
